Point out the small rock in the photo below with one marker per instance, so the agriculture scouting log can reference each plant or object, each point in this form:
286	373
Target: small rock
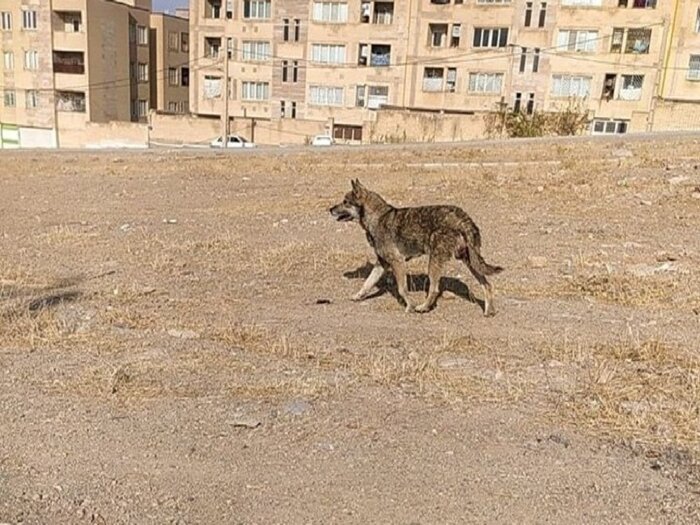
560	440
170	221
297	407
537	261
183	334
245	422
645	202
125	227
323	301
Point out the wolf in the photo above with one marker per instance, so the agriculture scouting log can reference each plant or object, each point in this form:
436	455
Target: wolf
400	234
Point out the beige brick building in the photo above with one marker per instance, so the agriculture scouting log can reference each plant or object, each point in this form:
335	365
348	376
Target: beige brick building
170	68
67	63
336	61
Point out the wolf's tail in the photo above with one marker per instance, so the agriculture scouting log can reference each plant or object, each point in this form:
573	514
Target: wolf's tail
471	251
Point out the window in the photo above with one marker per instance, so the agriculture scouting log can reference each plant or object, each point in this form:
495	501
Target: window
606	126
256	51
517	103
489	83
295	71
360	96
294	110
377	96
528	14
530	108
32	99
694	67
438	34
643	4
143	108
71	101
173	77
31	60
285	30
570	86
229	13
577	40
72	21
229	48
255	91
9	98
185	76
618	36
326	95
283	109
336	12
433	79
132	40
211	87
697	21
591	3
328	54
536	60
347	133
28	20
212	46
285	65
451	80
379	55
8	60
490	37
523	59
5	20
142	36
212	9
172	107
173	41
631	88
638	41
383	13
609	85
486	2
185	42
297	29
456	34
142	72
72	62
256	8
543	14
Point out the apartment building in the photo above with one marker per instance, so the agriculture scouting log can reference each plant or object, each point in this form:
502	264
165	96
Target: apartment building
66	63
169	62
338	60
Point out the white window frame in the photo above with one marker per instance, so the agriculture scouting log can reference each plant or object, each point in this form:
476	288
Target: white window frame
582	3
693	68
697	21
32	99
487	37
142	72
433	84
8	58
142	108
173	76
630	93
609	126
142	35
9	98
330	12
252	90
256	51
29	19
578	40
377	96
485	83
31	60
333	54
326	96
212	87
567	86
257	10
5	21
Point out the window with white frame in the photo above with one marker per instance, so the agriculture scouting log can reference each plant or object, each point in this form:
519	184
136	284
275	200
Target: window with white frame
256	8
29	18
579	40
142	72
142	36
211	87
173	76
488	83
490	2
325	11
694	67
589	3
143	108
377	96
571	86
433	79
31	60
172	107
5	20
328	53
631	88
32	99
256	51
326	95
8	59
609	126
697	21
255	90
490	37
9	98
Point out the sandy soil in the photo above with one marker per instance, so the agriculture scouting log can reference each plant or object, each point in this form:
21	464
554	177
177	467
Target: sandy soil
178	344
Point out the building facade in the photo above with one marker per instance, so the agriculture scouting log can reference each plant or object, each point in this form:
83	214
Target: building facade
338	60
170	67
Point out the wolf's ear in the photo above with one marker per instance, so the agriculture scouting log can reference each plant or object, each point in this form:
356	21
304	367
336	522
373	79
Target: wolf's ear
357	185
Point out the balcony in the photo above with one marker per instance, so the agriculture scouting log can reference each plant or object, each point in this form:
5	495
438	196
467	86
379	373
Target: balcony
70	62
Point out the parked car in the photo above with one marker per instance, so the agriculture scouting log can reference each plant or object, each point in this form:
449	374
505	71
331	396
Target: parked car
234	141
322	140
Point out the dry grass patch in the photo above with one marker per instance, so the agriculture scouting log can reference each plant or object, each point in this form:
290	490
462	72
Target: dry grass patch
626	290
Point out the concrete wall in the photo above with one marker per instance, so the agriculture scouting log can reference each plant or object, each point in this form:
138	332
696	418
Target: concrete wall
183	129
414	126
672	115
80	134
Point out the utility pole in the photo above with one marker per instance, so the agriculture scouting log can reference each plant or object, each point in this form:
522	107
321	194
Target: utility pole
225	116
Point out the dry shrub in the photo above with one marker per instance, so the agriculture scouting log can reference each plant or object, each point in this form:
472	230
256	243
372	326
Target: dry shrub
569	120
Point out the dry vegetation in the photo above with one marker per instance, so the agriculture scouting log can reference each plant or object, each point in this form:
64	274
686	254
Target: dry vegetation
215	277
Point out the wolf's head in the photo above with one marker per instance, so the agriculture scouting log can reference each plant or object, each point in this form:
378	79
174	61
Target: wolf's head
353	205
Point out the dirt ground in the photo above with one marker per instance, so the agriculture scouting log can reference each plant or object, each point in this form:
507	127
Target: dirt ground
178	344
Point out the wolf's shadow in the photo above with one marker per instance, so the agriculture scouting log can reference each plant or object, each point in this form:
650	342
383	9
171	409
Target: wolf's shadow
416	283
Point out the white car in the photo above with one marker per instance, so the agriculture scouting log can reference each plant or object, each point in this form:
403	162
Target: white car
234	141
322	140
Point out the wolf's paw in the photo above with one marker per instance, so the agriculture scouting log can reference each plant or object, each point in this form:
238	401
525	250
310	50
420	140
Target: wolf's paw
358	297
489	312
423	308
410	309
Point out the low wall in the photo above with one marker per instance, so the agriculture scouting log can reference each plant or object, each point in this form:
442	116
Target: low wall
676	115
76	133
400	125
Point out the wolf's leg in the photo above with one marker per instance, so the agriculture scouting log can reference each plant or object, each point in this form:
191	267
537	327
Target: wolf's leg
436	265
399	270
371	281
489	309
